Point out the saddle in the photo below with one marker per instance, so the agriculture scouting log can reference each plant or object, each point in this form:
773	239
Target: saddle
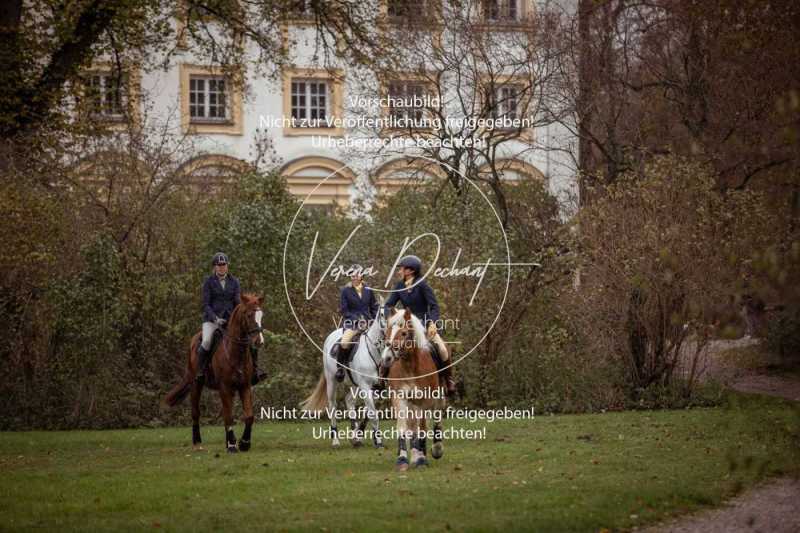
436	356
347	352
216	338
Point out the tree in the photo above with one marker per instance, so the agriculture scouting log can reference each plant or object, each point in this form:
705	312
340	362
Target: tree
44	45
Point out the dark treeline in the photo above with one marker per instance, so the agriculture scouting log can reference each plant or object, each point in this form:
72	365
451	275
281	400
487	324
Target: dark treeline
686	113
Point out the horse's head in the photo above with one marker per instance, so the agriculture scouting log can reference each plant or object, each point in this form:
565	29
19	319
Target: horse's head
399	339
251	319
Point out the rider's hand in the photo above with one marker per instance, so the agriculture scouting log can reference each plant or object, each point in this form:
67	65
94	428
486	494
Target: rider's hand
220	322
431	330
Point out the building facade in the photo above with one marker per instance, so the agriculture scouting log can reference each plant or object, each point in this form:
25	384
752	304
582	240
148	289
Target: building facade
313	117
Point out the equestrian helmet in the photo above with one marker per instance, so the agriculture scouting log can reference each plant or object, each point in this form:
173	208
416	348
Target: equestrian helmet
411	261
219	259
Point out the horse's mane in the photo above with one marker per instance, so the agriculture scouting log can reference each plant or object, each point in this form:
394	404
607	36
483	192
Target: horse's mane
249	296
420	338
245	296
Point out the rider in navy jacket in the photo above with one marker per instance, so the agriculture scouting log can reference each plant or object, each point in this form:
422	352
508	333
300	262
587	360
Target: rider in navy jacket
219	302
419	299
221	294
357	305
355	308
417	296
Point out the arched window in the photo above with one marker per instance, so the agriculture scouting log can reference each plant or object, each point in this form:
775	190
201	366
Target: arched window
513	170
327	181
209	173
404	172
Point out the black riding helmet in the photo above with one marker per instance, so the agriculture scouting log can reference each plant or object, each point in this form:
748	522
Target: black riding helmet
219	259
411	261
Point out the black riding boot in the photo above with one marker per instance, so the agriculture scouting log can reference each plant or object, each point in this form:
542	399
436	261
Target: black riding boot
340	354
445	372
258	374
449	381
203	357
383	373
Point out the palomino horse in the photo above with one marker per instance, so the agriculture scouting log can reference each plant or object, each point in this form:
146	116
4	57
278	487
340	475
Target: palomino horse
363	374
414	388
230	371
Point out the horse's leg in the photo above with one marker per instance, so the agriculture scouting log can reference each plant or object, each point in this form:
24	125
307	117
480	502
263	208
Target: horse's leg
372	414
422	440
331	383
350	402
197	441
246	396
438	446
402	431
226	396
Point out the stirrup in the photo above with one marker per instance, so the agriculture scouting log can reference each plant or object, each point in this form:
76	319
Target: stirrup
203	360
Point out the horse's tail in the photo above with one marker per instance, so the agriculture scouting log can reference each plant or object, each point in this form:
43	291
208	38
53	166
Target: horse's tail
182	389
318	399
179	391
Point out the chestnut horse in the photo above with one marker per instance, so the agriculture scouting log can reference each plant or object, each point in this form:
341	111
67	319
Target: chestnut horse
414	388
229	371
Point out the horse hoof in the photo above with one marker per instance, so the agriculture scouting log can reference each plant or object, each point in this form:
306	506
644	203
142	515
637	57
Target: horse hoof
232	449
402	466
421	463
357	444
379	444
438	450
335	443
198	447
244	445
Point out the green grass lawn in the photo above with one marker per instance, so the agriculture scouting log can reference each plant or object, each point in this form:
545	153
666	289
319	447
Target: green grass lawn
553	473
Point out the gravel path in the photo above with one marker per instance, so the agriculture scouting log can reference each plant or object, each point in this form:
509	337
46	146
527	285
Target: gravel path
771	507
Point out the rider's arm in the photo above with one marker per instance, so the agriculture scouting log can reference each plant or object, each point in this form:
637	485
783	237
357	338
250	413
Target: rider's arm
392	301
237	295
374	305
344	309
433	305
207	309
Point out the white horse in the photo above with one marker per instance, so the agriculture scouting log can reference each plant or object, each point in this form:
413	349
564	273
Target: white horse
362	373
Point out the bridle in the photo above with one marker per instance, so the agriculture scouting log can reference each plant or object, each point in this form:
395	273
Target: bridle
401	354
379	344
246	337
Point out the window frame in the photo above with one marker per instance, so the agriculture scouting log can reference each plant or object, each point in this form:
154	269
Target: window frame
130	88
525	10
307	106
404	112
334	80
206	105
232	124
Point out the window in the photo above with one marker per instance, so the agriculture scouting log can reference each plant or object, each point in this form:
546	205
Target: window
414	13
505	102
211	101
502	10
300	9
106	94
405	8
406	101
208	99
310	103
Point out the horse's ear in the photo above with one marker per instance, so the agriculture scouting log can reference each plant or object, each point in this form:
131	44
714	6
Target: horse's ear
260	300
407	314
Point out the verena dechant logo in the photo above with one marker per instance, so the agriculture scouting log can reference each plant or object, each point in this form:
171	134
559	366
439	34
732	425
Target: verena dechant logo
437	270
